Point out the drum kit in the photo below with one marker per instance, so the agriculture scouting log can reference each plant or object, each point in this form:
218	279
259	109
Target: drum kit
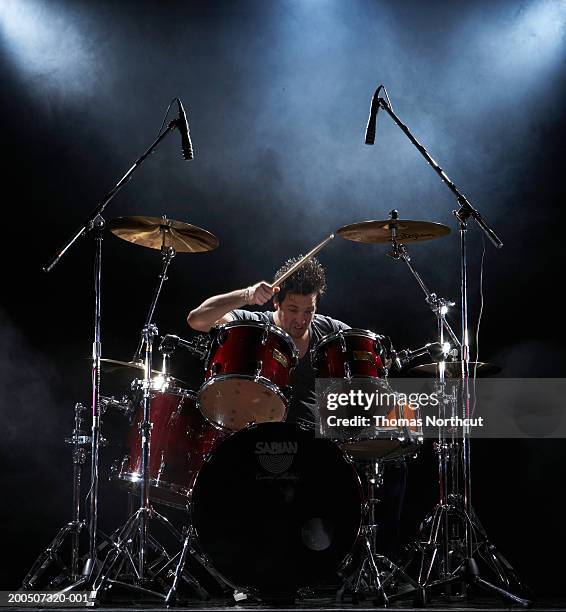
270	509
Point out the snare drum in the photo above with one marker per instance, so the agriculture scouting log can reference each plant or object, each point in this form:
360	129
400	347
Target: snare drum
181	439
247	373
276	509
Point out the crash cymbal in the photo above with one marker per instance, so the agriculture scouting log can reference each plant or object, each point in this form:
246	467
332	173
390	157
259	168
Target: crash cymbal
380	231
454	369
160	232
115	366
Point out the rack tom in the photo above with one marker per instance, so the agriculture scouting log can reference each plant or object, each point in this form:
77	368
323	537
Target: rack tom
351	353
247	374
356	360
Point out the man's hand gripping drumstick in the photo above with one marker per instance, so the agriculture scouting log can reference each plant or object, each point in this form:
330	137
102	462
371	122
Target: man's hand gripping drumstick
215	309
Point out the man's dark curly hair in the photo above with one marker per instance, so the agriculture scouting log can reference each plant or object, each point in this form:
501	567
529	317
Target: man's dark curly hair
309	278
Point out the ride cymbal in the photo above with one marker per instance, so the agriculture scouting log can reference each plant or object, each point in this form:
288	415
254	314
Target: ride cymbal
454	369
380	231
162	233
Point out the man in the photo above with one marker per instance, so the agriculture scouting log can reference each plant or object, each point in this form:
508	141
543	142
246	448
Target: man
295	304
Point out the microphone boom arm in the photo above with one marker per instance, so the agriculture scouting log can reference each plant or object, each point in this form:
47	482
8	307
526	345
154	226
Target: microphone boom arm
89	224
466	209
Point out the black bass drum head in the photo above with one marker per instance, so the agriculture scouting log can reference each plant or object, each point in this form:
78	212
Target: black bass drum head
276	509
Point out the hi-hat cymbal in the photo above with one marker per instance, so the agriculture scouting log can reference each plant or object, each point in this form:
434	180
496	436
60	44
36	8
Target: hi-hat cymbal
160	232
454	369
380	231
133	368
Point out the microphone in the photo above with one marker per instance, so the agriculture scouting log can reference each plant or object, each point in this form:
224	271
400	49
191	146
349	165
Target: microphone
434	349
371	126
183	126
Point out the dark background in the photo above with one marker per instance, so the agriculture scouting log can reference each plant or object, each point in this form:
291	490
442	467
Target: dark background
277	95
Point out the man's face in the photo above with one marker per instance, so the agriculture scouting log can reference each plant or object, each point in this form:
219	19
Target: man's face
296	312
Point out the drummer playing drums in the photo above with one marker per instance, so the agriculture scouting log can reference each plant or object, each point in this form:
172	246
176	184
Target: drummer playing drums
295	304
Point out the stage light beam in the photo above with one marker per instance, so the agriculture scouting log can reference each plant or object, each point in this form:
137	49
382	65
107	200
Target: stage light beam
47	44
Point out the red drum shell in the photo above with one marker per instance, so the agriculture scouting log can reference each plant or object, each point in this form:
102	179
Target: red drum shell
361	354
181	439
247	374
355	353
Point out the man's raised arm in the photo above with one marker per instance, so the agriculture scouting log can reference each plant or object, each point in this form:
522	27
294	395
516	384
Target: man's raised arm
216	309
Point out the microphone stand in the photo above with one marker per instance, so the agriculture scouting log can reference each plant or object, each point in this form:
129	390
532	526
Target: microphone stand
95	223
471	574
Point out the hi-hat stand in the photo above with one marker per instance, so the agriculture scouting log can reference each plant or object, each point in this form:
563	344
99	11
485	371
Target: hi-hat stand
377	576
439	551
468	571
53	555
130	545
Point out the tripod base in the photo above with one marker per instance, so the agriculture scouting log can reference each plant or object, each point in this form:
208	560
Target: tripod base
377	578
188	551
121	565
52	558
443	563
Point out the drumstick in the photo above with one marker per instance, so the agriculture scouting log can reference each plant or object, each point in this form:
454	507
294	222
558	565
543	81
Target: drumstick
302	261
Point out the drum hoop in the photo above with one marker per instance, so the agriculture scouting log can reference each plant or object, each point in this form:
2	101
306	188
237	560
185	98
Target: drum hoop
134	478
259	379
271	327
366	333
395	434
342	454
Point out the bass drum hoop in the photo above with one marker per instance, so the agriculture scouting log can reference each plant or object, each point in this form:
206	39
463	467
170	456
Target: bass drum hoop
282	590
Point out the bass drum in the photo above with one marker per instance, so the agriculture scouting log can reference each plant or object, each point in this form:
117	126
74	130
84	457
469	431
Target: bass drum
276	509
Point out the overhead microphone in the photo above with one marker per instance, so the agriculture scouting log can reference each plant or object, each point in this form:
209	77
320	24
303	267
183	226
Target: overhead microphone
371	126
183	126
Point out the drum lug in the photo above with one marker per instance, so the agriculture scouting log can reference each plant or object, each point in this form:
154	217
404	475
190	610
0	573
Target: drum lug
265	335
258	368
347	370
221	337
314	362
118	467
342	341
215	368
162	466
288	392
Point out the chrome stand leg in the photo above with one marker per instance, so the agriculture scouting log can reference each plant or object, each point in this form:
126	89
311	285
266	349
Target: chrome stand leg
377	575
72	530
459	568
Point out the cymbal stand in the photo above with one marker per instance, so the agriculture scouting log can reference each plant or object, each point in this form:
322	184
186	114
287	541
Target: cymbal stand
468	572
438	305
128	563
132	542
376	572
95	223
80	442
167	255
